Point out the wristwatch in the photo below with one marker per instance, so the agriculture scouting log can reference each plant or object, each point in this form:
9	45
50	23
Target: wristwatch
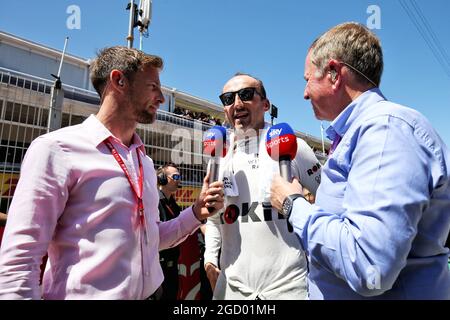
288	204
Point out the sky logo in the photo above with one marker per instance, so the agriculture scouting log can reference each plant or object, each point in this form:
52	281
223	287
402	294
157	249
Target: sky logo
275	132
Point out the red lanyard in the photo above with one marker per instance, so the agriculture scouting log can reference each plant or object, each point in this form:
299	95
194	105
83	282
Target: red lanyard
167	205
137	191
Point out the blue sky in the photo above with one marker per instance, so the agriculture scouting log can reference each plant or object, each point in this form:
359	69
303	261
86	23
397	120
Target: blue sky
204	42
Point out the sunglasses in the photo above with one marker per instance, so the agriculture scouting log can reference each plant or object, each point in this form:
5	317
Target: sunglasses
176	177
245	94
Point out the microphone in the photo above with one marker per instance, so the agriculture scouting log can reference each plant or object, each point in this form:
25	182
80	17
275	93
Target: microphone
281	145
214	145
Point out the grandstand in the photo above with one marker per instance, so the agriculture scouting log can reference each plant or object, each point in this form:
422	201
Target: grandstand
25	86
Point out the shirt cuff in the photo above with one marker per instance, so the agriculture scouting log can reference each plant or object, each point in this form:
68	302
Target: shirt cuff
299	219
210	259
189	219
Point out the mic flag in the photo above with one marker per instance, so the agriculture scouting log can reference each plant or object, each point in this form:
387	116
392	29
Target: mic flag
214	142
214	145
281	145
281	142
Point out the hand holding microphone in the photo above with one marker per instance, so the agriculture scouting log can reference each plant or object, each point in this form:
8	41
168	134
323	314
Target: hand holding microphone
214	145
281	145
210	200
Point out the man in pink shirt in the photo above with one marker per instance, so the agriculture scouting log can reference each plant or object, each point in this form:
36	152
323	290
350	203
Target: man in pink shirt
87	195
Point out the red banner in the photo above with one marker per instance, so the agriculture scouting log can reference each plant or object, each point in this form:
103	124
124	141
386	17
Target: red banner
189	269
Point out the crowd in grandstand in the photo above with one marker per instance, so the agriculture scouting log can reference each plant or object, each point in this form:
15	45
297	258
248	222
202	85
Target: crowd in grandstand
200	116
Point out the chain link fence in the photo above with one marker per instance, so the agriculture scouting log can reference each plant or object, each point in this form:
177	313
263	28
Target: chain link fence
24	110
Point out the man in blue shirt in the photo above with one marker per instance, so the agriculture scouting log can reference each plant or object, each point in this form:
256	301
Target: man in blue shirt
382	212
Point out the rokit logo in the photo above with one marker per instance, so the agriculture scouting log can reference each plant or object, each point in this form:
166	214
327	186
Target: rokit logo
232	212
314	169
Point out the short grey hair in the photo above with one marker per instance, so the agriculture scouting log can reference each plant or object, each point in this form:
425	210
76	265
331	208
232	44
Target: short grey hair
354	45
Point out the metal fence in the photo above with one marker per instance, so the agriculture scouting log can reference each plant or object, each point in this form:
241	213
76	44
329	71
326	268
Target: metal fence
24	110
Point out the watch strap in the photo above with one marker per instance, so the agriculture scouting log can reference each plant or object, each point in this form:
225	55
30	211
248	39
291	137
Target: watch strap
291	199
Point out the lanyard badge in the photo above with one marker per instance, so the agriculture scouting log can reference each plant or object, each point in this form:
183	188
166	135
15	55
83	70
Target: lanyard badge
136	190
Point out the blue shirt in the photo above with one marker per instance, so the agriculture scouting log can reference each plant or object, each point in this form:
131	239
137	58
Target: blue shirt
382	211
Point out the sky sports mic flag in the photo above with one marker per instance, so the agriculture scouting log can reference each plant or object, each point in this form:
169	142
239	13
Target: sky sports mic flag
214	145
281	145
214	142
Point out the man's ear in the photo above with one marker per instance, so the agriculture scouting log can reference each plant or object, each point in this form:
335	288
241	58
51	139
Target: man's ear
117	79
266	104
333	75
334	68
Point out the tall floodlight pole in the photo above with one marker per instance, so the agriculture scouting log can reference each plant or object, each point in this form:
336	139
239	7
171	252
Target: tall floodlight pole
56	97
139	17
141	38
130	38
144	19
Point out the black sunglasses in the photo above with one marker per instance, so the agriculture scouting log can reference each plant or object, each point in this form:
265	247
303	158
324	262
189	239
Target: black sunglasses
245	94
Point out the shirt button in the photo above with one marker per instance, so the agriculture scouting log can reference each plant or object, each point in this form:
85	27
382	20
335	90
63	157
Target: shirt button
147	273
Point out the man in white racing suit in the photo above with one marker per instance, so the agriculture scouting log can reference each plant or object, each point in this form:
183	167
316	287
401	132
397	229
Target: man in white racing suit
259	257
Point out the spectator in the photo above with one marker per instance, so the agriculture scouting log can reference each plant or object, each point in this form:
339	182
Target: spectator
178	111
169	178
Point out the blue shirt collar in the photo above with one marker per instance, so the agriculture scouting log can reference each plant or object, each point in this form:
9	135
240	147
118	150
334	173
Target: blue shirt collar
344	120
